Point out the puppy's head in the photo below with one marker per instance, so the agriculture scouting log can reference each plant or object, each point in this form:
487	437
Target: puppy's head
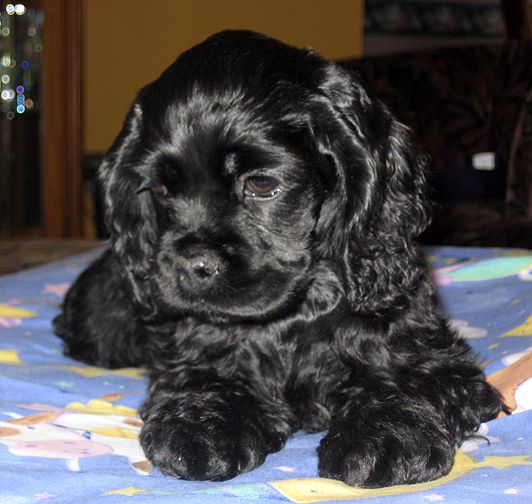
249	165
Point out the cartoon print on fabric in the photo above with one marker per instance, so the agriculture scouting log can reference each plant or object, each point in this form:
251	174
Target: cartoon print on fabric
12	316
37	436
94	371
9	356
515	381
472	271
308	490
464	329
75	432
524	329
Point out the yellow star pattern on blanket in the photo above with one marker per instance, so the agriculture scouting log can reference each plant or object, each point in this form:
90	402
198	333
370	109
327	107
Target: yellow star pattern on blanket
9	311
129	491
9	357
99	407
92	372
524	329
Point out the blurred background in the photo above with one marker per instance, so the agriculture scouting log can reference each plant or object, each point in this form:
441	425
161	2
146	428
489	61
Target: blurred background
458	72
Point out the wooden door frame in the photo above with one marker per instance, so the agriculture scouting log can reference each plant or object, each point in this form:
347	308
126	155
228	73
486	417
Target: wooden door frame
518	18
62	132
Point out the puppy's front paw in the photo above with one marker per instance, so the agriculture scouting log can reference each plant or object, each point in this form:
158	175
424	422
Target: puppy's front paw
377	459
210	449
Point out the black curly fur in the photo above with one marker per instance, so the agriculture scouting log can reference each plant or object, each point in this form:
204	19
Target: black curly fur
310	309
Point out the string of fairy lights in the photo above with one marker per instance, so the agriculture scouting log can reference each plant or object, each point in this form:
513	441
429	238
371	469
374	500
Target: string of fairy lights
20	58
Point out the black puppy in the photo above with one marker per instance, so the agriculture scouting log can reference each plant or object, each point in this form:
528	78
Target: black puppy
262	211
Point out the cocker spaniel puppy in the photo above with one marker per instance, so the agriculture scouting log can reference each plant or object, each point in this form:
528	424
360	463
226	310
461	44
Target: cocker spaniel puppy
262	211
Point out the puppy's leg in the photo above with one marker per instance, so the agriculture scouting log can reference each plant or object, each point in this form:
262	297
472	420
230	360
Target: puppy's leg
98	323
211	431
402	424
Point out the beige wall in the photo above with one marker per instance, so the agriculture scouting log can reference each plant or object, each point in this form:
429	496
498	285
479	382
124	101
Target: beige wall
130	42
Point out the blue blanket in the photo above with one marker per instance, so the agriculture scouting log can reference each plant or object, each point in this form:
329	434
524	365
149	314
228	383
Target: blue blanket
69	432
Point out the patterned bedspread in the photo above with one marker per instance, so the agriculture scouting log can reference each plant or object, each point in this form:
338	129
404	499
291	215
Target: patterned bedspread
68	432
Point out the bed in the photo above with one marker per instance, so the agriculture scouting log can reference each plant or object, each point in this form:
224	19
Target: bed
68	432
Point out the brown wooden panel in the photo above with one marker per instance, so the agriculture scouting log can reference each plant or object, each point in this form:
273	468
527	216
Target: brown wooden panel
61	119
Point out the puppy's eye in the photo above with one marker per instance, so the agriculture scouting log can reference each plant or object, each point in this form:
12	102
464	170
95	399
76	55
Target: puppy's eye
158	189
261	187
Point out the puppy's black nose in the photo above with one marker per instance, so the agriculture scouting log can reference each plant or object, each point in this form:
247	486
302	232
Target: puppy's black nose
203	267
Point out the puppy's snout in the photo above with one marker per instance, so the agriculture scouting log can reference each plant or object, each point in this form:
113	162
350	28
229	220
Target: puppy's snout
201	267
205	266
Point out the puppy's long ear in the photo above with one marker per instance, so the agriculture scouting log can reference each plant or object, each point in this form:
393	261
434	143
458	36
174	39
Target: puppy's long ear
382	186
129	214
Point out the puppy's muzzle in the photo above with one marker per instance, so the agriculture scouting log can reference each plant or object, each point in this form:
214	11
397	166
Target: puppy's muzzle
199	268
